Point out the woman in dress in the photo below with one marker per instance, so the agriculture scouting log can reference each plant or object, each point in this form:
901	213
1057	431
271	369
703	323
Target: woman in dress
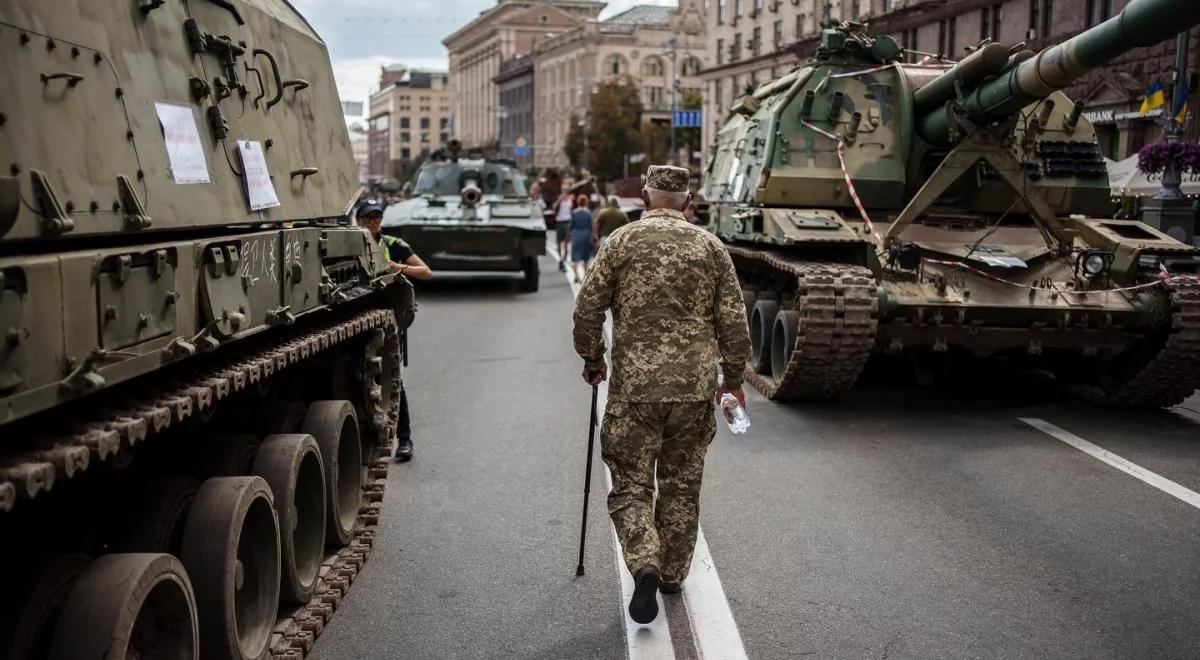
581	237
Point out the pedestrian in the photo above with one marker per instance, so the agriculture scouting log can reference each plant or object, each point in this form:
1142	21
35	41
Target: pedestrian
676	308
562	222
403	260
581	238
609	220
539	202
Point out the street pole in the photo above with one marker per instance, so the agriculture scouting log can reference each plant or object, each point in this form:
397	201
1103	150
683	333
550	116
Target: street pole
1173	130
672	45
585	125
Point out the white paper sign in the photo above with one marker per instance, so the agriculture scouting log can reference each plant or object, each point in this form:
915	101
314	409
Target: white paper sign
259	187
184	150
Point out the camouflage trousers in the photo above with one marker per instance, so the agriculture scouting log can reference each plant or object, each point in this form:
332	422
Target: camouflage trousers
635	438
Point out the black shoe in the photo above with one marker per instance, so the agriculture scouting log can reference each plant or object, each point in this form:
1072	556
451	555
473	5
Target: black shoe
670	587
643	606
562	267
404	450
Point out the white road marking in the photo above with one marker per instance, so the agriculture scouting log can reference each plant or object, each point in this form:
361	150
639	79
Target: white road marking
714	630
1162	483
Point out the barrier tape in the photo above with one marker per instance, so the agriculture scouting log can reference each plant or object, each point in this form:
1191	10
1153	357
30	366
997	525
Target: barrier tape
1164	278
841	154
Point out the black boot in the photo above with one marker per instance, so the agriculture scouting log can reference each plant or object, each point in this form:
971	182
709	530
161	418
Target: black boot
643	606
404	449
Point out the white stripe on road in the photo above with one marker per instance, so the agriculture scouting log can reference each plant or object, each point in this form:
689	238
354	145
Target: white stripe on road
714	630
1133	469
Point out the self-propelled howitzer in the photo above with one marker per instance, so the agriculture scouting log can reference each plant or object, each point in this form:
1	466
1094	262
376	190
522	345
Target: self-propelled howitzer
876	206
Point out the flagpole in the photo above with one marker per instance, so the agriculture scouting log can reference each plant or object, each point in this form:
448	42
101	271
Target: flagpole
1173	130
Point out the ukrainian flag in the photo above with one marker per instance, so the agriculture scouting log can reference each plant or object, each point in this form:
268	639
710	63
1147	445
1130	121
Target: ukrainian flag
1181	98
1155	98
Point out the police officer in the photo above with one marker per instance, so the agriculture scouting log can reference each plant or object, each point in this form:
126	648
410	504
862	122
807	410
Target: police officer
401	259
677	308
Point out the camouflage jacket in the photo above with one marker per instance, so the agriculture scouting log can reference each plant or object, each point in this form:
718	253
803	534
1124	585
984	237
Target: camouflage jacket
676	306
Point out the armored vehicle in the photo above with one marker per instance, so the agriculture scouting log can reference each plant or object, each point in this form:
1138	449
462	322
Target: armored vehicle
200	358
470	213
875	206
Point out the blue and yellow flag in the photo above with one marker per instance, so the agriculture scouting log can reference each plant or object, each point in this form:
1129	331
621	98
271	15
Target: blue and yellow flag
1181	108
1155	98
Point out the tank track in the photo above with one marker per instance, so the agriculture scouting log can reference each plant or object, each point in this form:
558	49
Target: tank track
106	435
838	307
1171	375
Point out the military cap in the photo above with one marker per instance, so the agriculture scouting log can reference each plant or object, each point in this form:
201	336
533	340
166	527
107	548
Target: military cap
667	178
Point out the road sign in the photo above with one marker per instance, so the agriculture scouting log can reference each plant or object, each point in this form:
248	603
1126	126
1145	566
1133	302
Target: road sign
686	118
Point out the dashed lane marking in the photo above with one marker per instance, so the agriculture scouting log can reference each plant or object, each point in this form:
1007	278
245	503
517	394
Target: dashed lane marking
1128	467
714	631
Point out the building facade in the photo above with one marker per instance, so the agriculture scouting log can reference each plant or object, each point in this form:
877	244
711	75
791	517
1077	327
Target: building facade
650	45
508	29
409	118
515	91
752	41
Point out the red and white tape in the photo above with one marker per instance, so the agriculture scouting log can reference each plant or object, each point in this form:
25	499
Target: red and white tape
1165	278
841	154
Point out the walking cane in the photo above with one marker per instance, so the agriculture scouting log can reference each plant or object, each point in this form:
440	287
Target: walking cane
587	478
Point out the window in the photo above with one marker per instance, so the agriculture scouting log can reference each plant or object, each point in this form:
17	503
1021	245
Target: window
652	66
404	122
654	96
405	136
615	65
424	122
737	8
946	36
757	7
799	25
718	95
756	42
887	5
720	12
405	153
735	51
444	137
777	41
690	67
424	137
1098	11
444	123
720	52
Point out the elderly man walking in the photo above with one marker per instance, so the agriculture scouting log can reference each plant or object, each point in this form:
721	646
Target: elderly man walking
677	308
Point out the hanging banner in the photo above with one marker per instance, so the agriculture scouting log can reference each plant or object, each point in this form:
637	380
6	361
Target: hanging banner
260	190
185	153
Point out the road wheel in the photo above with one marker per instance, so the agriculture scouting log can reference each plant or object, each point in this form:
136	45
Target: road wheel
128	606
749	297
291	466
335	427
231	551
150	516
783	342
762	319
532	275
35	599
227	455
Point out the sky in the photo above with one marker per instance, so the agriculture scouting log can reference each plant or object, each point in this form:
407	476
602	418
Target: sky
362	35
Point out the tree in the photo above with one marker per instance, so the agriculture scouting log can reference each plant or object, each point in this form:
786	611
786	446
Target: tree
574	146
614	130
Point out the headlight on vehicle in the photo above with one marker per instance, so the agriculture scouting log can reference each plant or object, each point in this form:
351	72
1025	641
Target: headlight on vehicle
1093	263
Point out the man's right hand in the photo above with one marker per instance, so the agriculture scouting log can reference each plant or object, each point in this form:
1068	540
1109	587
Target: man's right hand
595	377
737	394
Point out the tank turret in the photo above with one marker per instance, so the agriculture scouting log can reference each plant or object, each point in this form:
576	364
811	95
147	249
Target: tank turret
1142	23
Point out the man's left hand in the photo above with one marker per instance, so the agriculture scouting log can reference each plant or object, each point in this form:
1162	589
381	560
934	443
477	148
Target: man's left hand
595	377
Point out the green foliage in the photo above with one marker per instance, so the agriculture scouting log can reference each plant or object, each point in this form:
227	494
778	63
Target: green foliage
574	145
615	128
691	100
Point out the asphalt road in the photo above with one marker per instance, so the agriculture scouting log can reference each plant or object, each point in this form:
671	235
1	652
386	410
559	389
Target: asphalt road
897	523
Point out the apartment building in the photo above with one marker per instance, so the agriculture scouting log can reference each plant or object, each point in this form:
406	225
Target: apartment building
476	51
752	41
653	46
409	117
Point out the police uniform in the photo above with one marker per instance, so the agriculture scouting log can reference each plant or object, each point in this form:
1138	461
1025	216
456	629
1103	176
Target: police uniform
677	309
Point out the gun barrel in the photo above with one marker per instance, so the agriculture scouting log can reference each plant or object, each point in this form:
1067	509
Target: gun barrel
1141	23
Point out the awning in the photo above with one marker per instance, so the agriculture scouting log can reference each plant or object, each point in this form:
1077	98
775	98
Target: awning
1126	180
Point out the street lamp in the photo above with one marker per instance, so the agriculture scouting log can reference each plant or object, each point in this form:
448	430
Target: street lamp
672	47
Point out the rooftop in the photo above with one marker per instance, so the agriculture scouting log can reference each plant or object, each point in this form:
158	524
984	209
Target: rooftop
643	15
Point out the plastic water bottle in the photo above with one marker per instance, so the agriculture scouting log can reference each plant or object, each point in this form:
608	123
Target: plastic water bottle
734	412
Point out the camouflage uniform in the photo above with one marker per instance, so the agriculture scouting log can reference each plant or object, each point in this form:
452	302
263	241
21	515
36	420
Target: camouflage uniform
676	307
